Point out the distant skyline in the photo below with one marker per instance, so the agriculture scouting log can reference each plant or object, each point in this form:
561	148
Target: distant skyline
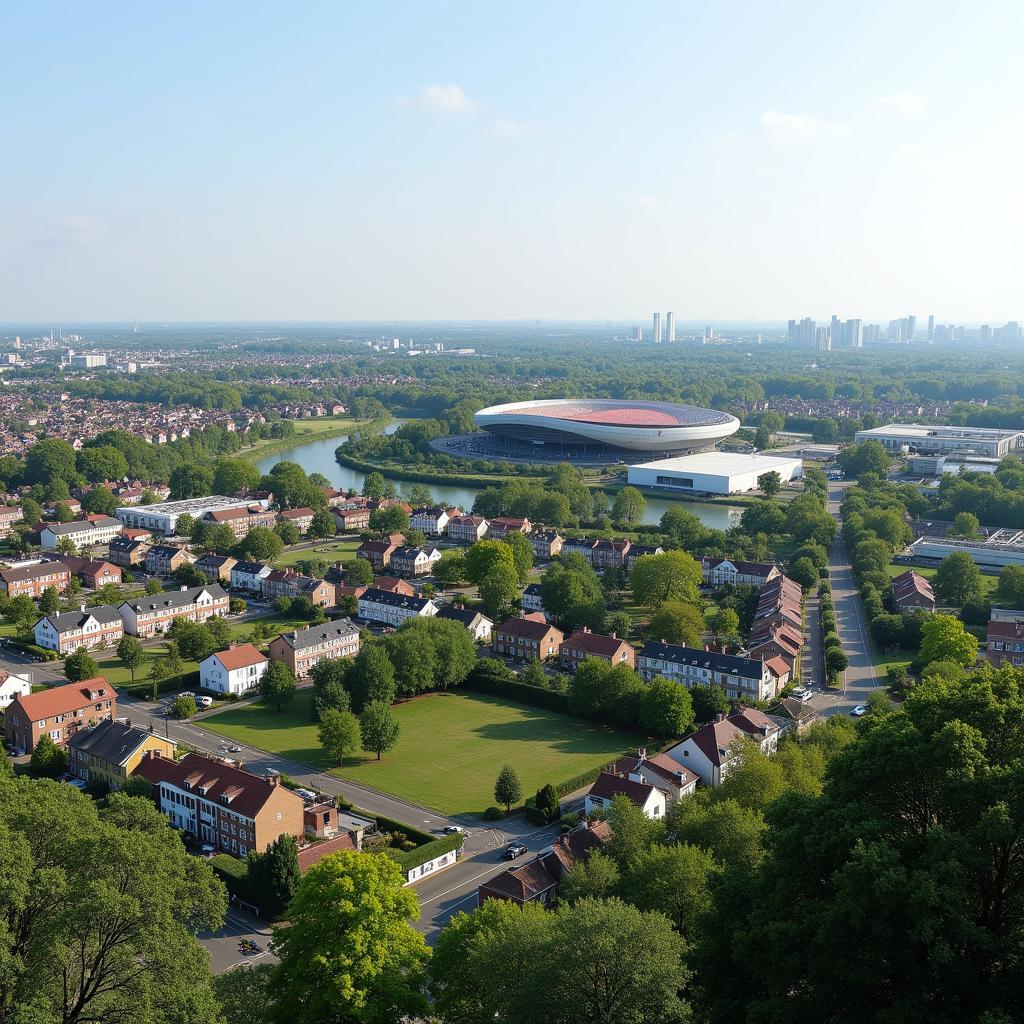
456	161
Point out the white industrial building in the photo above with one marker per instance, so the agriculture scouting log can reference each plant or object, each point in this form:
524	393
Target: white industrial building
1004	547
163	517
713	472
925	439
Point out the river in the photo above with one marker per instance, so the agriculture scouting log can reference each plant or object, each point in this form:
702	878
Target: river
318	457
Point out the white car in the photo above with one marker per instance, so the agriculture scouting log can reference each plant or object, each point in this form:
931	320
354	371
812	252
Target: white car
801	694
306	794
453	830
204	702
859	711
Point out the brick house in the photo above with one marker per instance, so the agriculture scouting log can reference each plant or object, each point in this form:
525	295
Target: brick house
582	546
240	520
93	572
301	518
89	628
1005	643
467	529
610	554
289	583
301	649
527	638
348	520
149	616
127	552
164	559
221	804
912	590
582	644
639	550
59	711
393	585
110	751
502	526
216	568
34	579
378	552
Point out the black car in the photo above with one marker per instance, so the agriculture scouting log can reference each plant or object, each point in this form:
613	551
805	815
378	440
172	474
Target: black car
514	850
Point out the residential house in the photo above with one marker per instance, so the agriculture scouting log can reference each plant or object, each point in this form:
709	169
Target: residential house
216	568
149	616
127	552
393	609
81	532
912	590
739	677
9	515
476	622
301	518
582	546
33	578
582	644
12	686
349	520
110	751
713	749
501	526
93	572
1005	642
225	806
249	576
638	551
89	628
432	521
546	544
798	713
467	529
393	585
720	572
378	552
527	638
237	670
240	520
59	711
648	798
531	600
610	554
659	770
289	583
166	559
301	649
414	561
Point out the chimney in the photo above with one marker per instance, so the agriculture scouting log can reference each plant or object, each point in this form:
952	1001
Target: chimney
720	717
641	753
614	636
275	780
82	606
183	587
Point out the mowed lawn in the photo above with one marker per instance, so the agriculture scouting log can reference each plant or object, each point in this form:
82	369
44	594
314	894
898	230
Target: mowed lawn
450	748
330	550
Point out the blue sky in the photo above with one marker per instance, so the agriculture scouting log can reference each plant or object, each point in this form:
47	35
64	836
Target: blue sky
580	160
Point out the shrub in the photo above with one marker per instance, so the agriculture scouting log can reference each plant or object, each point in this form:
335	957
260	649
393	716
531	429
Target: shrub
493	814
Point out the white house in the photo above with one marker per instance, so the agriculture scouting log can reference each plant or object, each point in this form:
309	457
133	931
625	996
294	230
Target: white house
476	622
714	748
648	798
431	521
393	609
91	628
414	561
721	571
11	687
676	781
237	670
249	576
82	533
741	678
154	614
531	600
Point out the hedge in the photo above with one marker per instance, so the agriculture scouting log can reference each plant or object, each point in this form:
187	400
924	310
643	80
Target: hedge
552	700
30	648
577	782
409	859
234	873
393	825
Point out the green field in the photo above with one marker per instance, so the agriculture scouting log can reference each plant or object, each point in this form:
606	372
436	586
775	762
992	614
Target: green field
450	749
330	550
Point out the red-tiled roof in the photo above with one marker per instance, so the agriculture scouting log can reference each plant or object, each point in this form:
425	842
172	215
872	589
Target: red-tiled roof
59	700
595	643
240	657
529	628
609	786
315	852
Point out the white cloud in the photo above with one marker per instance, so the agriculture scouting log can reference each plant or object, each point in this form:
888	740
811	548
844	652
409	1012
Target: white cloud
800	127
647	202
900	104
508	126
448	99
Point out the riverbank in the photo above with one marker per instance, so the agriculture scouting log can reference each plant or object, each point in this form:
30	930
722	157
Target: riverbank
321	429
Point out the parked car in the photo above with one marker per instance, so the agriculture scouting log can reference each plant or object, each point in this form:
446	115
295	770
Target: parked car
203	701
306	794
514	850
859	711
453	830
801	694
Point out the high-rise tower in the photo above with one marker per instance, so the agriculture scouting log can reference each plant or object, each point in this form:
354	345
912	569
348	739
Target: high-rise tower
657	328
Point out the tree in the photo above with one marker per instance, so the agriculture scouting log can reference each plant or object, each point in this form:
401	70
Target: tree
277	685
373	485
80	665
450	570
725	626
769	484
288	532
339	734
708	702
379	727
190	481
678	622
762	438
233	475
49	602
48	761
1011	585
419	496
836	661
158	673
522	555
764	517
183	706
958	579
322	525
195	641
260	544
571	592
100	501
944	638
359	572
666	709
50	459
803	571
101	909
507	789
675	880
244	993
887	630
683	528
446	646
485	556
597	877
347	952
131	654
153	587
104	462
393	519
869	457
371	677
499	589
629	506
633	833
274	874
674	575
21	611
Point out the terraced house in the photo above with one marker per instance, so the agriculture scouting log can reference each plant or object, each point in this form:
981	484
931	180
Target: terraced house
392	609
527	638
110	751
59	712
150	616
33	578
81	533
89	628
240	520
738	677
301	649
289	583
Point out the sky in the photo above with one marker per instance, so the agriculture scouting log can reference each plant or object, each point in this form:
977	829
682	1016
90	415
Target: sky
579	160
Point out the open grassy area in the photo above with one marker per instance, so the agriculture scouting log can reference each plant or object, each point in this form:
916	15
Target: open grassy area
450	750
330	550
989	584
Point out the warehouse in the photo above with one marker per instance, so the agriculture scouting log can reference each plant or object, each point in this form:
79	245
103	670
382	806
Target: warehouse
985	442
713	472
163	518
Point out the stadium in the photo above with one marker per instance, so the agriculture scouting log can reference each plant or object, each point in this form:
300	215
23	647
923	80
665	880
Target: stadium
601	429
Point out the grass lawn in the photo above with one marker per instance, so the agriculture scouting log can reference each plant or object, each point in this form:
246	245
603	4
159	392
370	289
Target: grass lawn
117	675
450	750
241	628
989	584
331	550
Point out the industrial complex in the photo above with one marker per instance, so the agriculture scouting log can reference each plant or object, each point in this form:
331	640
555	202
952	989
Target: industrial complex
713	472
984	442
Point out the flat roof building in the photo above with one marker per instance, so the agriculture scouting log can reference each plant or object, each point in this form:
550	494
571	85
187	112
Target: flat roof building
163	517
713	472
927	439
1004	547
